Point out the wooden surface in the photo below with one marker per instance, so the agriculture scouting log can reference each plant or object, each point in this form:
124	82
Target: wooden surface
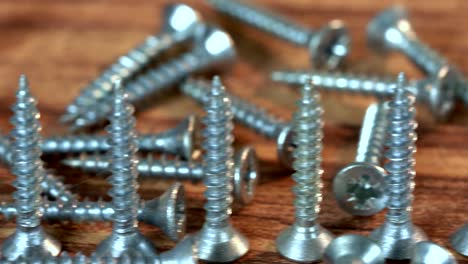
61	45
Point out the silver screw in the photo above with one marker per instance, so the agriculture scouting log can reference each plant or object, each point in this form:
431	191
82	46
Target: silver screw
459	240
218	240
398	235
391	30
213	49
244	180
328	46
359	188
29	237
249	115
426	252
178	141
353	248
436	92
180	23
125	236
306	239
166	212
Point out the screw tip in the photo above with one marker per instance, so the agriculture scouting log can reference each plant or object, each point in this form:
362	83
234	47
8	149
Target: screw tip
217	86
23	86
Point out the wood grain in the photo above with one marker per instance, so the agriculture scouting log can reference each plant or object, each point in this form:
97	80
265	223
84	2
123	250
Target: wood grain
61	45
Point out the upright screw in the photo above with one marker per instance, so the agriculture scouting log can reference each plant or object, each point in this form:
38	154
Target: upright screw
359	188
29	237
391	30
214	48
327	47
180	23
426	252
436	92
459	240
244	180
180	141
398	235
218	241
306	239
50	184
166	212
125	236
249	115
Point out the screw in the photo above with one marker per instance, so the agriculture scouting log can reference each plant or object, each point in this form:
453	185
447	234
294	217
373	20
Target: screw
306	239
29	236
353	248
249	115
359	188
426	252
179	141
459	240
327	47
50	184
125	235
391	30
398	235
435	92
218	240
166	212
244	180
180	23
213	49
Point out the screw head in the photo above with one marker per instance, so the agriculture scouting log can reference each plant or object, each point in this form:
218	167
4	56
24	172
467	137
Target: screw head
303	244
181	19
389	29
189	137
330	45
427	252
285	146
184	252
245	176
359	189
459	240
118	244
216	43
353	249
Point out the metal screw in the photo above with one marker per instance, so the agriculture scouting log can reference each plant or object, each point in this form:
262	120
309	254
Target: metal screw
391	30
125	235
178	141
29	236
180	23
436	92
244	180
213	49
166	212
327	47
353	249
427	252
398	235
359	188
249	115
218	240
306	239
459	240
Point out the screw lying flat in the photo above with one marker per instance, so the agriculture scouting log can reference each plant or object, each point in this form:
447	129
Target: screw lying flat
359	188
459	240
180	23
328	46
391	30
426	252
306	239
125	236
435	92
398	235
166	212
218	240
249	115
244	181
213	49
29	237
353	249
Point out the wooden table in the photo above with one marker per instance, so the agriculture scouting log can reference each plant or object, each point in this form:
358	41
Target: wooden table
61	45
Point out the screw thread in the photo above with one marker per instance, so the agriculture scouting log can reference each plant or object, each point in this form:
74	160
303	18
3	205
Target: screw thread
123	164
264	20
218	158
65	258
124	68
26	156
151	82
401	144
373	134
244	112
307	128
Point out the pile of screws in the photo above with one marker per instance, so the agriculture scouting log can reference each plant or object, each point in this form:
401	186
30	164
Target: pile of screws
363	188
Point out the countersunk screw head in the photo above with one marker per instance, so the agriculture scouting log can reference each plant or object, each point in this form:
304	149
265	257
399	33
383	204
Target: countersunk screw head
217	44
180	19
426	252
245	176
359	189
353	249
459	240
330	45
285	146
